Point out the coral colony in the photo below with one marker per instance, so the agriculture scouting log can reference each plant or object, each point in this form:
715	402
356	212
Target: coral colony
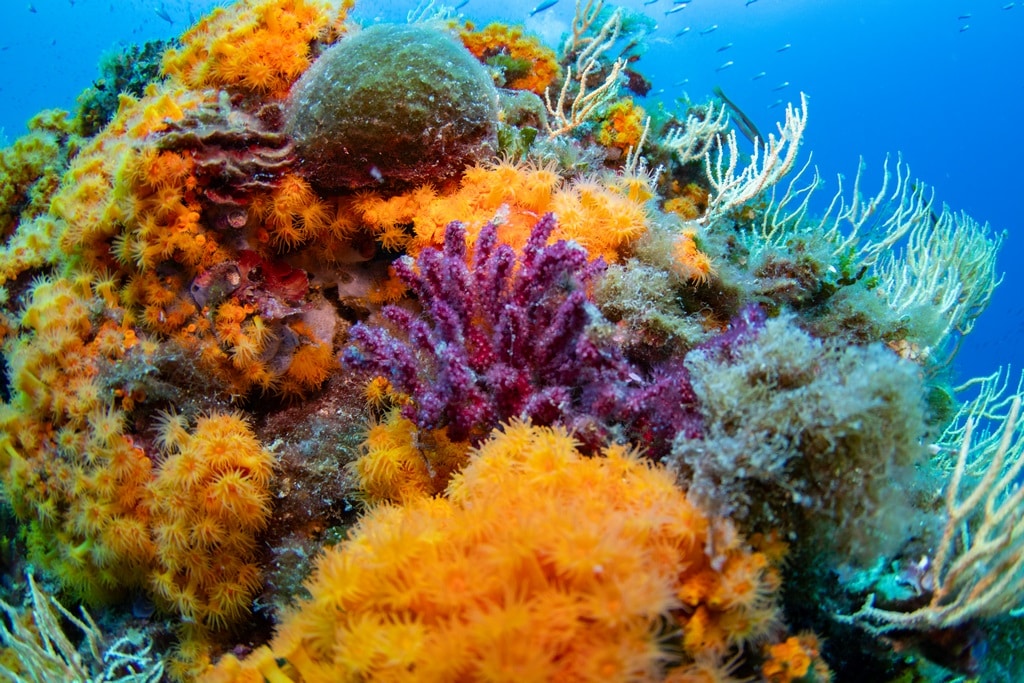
429	352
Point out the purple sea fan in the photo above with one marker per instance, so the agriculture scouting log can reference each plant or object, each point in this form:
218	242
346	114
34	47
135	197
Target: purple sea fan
502	339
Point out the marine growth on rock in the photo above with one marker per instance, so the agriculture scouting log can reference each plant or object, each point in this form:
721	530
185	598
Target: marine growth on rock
392	105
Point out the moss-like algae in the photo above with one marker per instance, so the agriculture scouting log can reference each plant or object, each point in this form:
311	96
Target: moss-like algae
392	105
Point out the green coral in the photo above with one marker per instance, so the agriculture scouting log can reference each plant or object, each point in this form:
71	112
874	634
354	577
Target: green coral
522	116
393	105
643	298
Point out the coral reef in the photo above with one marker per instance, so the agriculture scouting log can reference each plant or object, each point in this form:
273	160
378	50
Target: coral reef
128	72
210	497
622	125
256	48
422	351
237	155
606	217
402	462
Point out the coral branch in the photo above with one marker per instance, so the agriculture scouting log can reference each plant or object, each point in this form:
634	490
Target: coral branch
690	141
586	101
771	161
586	51
978	566
46	653
949	265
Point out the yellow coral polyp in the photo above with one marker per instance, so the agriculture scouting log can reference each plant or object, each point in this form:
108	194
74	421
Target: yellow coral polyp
401	464
795	660
207	501
622	125
512	42
157	115
260	47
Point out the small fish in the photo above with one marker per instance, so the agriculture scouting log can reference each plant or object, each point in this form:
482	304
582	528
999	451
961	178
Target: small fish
32	9
142	608
682	32
724	47
785	47
1009	5
709	29
161	12
776	103
743	121
750	2
547	4
680	2
759	76
675	8
781	86
682	82
650	2
460	5
964	16
964	27
725	66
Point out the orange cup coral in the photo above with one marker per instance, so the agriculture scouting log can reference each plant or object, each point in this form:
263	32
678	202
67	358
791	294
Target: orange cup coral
622	125
604	216
208	501
526	63
537	564
259	47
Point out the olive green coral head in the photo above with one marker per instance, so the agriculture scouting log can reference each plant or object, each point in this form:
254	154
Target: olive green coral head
392	105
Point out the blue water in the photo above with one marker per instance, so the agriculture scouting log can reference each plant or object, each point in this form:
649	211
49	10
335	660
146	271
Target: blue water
883	76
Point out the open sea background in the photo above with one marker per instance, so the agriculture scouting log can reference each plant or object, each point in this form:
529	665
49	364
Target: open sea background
914	77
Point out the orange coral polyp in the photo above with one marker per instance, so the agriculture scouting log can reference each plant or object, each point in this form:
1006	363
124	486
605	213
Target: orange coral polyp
623	125
311	365
604	216
207	532
229	600
232	496
212	487
536	559
91	515
502	39
261	47
689	263
789	661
